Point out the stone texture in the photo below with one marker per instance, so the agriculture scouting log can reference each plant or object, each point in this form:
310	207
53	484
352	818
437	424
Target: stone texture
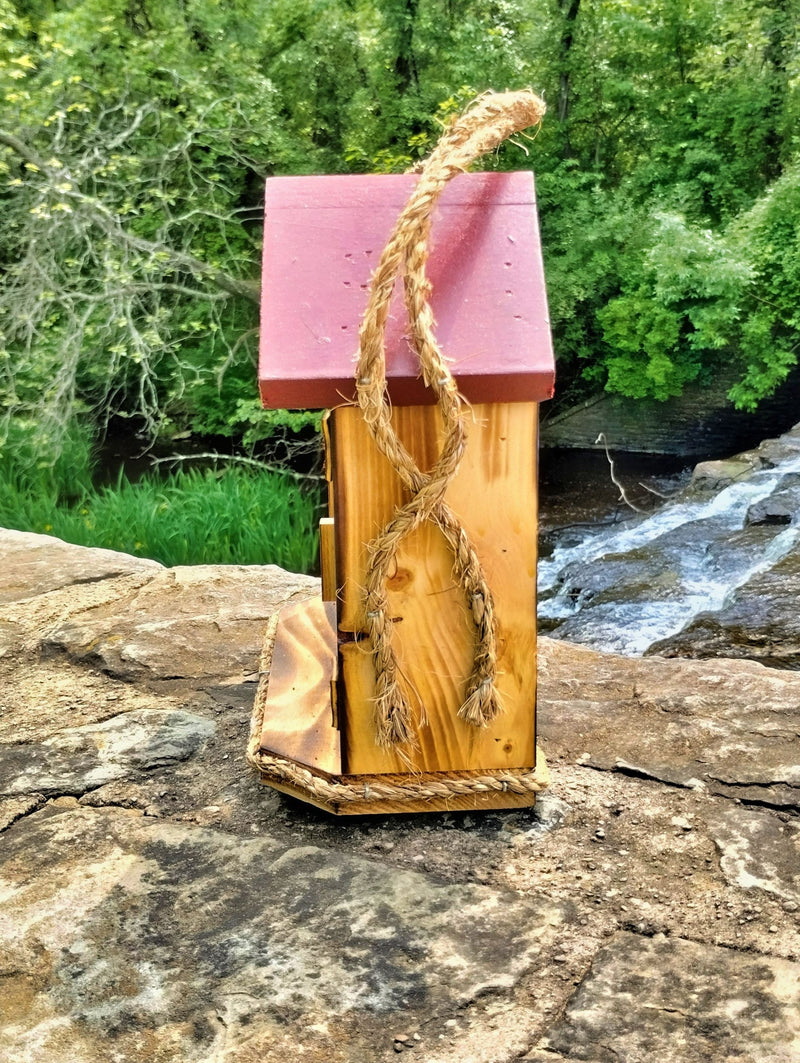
83	758
25	622
37	564
172	627
712	476
757	851
15	808
730	727
124	925
782	507
139	619
678	1001
43	696
157	903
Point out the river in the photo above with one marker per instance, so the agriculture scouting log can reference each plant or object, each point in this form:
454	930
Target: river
624	581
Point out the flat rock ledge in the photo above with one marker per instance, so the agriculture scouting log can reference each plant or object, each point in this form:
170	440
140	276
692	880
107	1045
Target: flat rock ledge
160	906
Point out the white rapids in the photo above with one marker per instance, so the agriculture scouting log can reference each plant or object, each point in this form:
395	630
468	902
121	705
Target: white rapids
663	569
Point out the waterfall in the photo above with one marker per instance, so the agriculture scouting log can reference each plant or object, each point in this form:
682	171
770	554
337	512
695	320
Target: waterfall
624	587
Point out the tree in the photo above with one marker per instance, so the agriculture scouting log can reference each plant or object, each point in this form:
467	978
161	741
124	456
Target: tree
135	138
769	340
128	241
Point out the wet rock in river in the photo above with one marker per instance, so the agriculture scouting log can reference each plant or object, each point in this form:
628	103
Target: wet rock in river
782	507
714	571
711	476
761	621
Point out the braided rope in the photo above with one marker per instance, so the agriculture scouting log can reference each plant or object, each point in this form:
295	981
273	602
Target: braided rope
490	121
279	770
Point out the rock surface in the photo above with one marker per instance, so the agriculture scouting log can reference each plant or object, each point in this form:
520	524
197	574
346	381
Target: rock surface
761	621
726	727
700	421
38	564
655	980
158	904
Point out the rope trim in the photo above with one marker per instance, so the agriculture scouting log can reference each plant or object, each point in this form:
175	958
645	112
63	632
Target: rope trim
273	767
491	120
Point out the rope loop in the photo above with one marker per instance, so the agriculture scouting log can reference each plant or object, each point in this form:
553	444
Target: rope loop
489	121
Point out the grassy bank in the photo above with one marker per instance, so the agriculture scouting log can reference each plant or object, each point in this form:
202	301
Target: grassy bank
231	516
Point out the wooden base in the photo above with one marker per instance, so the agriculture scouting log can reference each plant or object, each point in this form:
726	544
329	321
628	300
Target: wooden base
453	803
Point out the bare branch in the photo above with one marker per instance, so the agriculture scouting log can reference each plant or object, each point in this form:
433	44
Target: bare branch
112	226
24	151
176	459
653	491
612	472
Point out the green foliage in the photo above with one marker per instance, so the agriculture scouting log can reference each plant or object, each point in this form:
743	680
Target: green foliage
139	134
234	516
769	234
588	238
40	467
679	307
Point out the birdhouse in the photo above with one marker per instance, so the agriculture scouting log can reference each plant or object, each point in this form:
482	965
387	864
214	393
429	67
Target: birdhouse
413	309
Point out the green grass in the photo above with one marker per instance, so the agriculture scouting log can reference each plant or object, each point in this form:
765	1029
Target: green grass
234	516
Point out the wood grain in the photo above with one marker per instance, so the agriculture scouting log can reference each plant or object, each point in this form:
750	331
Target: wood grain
494	495
298	717
327	559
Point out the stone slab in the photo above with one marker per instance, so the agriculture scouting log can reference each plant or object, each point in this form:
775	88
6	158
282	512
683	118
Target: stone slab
228	924
36	564
79	759
143	940
199	622
758	851
730	727
677	1001
41	696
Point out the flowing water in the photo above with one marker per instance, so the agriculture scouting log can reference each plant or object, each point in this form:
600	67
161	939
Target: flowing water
627	585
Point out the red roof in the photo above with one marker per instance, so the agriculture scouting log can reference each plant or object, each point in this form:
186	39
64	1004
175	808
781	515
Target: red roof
323	238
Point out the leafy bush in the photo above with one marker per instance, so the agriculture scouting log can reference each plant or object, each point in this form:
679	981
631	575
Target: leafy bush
769	234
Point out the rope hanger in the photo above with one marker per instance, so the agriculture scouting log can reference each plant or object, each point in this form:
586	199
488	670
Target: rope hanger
481	129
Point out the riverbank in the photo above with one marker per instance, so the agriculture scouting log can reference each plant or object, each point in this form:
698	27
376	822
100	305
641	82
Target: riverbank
577	488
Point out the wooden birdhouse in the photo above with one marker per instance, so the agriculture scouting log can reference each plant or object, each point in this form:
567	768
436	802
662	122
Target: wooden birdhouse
413	308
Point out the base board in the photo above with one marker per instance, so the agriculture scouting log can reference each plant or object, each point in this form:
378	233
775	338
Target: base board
460	803
294	743
478	800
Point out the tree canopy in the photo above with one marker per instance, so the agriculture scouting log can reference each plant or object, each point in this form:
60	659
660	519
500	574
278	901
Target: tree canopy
135	138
